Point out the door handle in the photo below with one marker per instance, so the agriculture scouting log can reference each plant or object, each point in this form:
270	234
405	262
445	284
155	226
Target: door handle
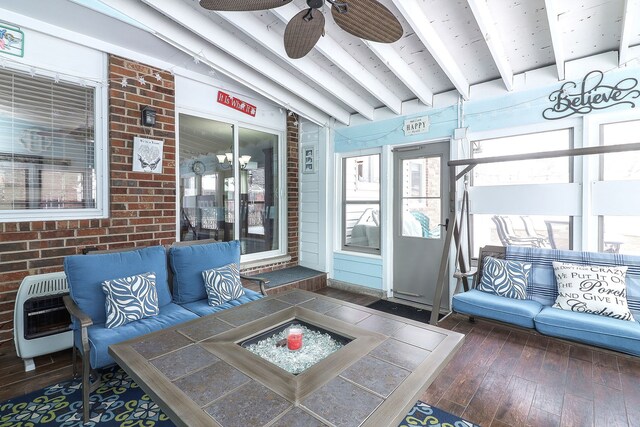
445	225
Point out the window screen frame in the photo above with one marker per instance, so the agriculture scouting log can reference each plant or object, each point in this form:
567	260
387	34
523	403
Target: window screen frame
100	107
343	209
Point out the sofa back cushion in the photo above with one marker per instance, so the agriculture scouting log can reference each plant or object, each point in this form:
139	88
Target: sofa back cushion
542	286
188	262
85	274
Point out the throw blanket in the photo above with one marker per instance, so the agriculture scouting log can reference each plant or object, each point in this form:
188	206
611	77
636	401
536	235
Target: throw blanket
542	284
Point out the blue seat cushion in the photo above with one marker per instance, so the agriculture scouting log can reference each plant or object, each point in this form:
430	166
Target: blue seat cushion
188	263
85	274
476	303
202	307
100	338
602	331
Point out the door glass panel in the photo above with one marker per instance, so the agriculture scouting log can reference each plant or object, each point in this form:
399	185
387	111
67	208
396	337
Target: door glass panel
259	189
206	179
421	204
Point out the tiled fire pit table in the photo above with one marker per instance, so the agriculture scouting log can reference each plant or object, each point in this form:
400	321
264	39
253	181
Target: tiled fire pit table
200	375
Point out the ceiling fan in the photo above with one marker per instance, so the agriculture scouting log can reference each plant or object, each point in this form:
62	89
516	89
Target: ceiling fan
367	19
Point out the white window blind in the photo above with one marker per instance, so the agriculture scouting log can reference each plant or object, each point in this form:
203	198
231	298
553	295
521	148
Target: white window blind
47	145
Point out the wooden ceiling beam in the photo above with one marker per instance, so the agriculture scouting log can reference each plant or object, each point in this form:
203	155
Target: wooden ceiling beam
392	59
332	50
415	16
556	37
629	25
184	40
482	14
257	30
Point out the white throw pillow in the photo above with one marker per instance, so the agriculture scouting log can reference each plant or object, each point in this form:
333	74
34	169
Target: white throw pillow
594	289
222	284
130	298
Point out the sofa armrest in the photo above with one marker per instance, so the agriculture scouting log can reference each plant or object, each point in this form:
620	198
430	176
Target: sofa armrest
74	310
261	282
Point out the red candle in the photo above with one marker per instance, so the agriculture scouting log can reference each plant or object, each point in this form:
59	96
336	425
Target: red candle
294	339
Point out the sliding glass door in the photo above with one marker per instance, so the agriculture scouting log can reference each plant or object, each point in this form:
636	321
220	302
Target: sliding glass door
214	156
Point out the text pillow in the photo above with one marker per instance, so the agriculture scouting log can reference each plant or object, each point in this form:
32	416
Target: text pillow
592	289
505	278
222	284
130	298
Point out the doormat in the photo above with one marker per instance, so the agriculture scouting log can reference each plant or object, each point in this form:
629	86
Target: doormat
402	310
120	402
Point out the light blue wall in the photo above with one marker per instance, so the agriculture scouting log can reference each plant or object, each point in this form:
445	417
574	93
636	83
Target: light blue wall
510	110
363	271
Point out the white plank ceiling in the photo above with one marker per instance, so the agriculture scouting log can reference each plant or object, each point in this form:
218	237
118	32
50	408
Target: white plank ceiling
448	45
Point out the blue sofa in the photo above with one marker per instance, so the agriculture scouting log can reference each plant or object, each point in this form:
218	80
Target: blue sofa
181	265
536	312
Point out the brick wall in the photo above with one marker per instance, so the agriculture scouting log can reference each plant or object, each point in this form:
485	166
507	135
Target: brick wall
142	205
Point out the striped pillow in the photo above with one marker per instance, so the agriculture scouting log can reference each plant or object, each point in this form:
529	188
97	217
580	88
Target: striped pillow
222	284
505	278
130	298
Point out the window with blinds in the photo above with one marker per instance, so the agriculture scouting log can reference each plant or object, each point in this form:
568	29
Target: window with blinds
47	146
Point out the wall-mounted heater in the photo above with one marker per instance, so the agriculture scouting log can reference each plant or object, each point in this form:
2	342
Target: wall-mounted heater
41	321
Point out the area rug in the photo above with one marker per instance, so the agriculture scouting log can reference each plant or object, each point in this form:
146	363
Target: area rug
402	310
120	402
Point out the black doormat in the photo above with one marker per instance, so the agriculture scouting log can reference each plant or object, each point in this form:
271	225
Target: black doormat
406	311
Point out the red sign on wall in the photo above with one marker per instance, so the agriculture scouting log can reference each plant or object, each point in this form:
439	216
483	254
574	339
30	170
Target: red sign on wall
236	104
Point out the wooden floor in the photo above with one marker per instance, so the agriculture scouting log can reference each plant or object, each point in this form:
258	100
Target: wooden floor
500	377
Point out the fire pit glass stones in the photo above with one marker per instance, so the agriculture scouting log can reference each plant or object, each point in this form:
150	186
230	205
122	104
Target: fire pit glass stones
317	344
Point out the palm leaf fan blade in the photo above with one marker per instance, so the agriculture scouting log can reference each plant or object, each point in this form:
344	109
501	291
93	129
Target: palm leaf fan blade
368	19
242	5
302	33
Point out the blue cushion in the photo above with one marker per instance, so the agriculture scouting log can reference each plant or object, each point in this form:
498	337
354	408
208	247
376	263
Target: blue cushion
100	338
602	331
202	307
508	310
188	263
85	274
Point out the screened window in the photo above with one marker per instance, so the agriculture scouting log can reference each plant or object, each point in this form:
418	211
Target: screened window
508	221
47	148
620	227
361	203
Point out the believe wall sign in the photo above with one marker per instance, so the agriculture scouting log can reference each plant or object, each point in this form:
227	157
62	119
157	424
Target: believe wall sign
582	98
237	104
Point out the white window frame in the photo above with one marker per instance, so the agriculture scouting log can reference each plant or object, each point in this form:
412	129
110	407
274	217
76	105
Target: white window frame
101	107
561	199
339	191
282	177
606	198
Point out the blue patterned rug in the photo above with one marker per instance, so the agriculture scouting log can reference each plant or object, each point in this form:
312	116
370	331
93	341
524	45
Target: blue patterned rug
120	402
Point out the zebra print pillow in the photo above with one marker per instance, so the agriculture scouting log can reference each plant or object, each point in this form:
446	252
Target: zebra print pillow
222	284
505	278
130	298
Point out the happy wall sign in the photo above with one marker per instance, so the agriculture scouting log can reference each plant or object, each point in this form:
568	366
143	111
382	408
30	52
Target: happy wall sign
589	95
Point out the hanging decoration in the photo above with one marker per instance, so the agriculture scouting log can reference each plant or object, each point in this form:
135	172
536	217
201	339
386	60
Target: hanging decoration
11	40
416	126
236	103
147	155
590	94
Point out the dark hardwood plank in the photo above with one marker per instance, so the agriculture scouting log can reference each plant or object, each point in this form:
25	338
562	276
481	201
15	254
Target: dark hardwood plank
577	411
484	404
609	407
516	401
539	418
451	407
605	370
549	399
580	378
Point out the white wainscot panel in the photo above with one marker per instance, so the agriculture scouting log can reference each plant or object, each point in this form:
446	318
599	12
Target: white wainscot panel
616	197
309	258
308	247
532	199
310	227
309	197
309	207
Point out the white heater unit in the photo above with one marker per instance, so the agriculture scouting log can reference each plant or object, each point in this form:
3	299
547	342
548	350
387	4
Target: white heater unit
40	320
